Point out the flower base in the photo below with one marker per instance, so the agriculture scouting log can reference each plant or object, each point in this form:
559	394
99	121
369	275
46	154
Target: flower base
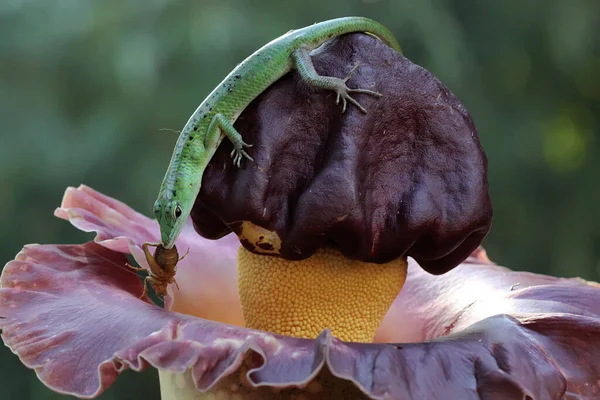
324	385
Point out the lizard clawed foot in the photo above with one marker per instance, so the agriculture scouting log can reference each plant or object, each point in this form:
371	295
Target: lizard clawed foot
347	78
343	92
238	153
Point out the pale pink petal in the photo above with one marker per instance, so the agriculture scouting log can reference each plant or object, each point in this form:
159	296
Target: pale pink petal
117	225
72	314
207	276
477	289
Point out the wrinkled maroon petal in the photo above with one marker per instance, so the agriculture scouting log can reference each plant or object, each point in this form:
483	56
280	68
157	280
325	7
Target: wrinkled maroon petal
67	312
207	276
408	178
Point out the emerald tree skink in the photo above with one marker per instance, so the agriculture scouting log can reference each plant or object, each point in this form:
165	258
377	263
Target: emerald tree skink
214	118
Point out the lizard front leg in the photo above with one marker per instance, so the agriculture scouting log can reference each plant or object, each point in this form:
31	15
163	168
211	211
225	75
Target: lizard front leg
220	125
305	67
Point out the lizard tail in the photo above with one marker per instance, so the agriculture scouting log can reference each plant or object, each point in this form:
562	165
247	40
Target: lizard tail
326	30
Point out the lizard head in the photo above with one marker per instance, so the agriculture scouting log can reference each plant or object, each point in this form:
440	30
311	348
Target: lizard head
171	215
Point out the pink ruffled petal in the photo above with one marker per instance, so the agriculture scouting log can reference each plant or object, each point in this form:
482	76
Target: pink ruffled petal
207	276
117	225
67	312
475	290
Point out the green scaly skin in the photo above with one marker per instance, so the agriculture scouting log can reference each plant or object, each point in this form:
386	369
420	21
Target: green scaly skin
214	118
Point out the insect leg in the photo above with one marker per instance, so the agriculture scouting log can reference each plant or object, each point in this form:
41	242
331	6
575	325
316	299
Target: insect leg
186	253
135	268
155	267
145	291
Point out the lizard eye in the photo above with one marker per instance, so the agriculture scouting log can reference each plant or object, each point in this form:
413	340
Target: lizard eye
177	212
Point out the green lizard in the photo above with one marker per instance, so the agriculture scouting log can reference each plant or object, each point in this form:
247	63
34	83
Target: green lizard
214	118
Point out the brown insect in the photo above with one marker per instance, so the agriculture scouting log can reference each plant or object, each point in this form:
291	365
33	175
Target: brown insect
163	267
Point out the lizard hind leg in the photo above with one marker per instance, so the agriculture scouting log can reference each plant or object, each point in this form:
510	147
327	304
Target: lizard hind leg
305	67
344	92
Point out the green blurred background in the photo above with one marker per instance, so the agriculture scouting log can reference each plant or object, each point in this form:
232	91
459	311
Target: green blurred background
85	88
